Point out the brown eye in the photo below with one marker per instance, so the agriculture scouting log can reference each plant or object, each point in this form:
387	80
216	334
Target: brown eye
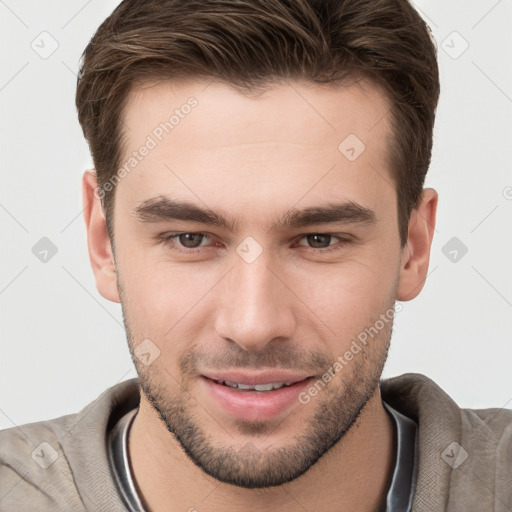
324	242
318	241
190	240
185	242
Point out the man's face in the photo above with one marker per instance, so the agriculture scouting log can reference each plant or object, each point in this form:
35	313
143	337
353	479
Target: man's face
301	256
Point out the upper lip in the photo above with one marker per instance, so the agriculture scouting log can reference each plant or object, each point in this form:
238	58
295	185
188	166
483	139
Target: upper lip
252	378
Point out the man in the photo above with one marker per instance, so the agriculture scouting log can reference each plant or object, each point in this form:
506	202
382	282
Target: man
257	208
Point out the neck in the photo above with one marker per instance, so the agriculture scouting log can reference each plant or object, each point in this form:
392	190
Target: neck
353	475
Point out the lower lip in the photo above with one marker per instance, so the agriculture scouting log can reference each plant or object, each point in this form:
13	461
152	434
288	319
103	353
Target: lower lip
254	405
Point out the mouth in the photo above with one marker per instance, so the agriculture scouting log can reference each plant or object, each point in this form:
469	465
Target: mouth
254	397
260	388
244	378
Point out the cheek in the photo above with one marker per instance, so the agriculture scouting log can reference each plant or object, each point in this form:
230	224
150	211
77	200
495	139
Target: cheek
161	296
348	297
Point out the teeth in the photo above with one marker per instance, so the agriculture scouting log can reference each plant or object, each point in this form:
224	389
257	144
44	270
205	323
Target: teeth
255	387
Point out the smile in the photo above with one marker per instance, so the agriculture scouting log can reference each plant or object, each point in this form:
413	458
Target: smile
254	387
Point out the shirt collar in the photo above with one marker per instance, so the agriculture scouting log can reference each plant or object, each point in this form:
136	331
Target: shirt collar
399	497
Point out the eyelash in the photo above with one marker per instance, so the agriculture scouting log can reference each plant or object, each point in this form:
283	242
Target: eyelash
168	238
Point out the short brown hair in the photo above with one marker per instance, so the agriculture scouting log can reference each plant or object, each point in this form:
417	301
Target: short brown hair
253	43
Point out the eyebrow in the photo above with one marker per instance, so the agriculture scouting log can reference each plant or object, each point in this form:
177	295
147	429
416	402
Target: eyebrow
161	208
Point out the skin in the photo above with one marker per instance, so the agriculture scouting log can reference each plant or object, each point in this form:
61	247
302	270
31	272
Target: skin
252	159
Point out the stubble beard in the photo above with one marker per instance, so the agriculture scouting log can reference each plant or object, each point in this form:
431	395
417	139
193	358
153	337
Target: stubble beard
339	405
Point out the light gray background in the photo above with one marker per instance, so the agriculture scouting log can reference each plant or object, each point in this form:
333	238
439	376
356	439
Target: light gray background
62	344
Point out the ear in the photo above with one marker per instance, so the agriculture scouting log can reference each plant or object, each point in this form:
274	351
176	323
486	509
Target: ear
98	241
416	252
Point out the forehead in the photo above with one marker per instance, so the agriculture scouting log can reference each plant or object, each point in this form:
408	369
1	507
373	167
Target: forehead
306	109
297	141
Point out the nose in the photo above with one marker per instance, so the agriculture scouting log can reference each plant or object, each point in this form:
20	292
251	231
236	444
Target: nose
255	306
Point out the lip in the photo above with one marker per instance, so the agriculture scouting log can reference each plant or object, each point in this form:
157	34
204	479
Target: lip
253	378
249	405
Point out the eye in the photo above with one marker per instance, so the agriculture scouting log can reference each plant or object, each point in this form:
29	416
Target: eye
191	240
185	240
321	240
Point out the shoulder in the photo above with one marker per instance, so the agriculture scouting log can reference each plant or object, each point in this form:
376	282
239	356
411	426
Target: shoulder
34	470
464	455
422	399
62	464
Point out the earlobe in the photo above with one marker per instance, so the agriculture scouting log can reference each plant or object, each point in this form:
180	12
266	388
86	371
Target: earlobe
98	242
416	252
